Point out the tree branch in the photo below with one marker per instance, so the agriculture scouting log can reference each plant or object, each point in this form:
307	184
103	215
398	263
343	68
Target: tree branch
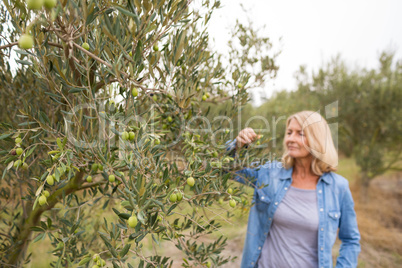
9	45
86	186
55	44
126	76
103	82
16	43
95	57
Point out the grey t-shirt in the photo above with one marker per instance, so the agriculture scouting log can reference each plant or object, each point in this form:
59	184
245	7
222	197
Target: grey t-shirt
293	237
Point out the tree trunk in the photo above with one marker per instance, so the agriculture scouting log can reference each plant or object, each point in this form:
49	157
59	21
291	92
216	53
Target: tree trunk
22	238
364	187
23	233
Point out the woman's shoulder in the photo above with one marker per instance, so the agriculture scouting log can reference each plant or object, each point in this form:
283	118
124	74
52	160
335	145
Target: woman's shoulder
336	180
270	173
276	169
272	166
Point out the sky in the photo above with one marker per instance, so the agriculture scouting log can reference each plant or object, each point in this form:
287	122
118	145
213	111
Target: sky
314	31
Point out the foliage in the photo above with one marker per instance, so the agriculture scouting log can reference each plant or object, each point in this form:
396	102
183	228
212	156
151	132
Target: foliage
107	109
368	113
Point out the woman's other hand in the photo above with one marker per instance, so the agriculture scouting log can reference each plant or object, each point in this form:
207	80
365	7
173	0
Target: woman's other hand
245	137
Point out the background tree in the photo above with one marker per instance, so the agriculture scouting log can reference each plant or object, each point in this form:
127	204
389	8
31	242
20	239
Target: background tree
368	113
103	113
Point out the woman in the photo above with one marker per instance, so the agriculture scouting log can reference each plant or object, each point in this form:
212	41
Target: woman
300	203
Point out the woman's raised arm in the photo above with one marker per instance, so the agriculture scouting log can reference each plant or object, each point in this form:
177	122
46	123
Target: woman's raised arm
244	138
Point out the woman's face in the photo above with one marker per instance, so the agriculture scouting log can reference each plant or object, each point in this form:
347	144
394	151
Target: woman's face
295	141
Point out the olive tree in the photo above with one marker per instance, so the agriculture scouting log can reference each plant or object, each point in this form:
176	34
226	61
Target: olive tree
103	111
369	107
364	105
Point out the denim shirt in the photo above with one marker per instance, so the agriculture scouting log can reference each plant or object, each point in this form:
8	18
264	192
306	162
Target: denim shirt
335	206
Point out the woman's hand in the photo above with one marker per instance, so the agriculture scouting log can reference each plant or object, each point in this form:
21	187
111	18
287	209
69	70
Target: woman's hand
245	137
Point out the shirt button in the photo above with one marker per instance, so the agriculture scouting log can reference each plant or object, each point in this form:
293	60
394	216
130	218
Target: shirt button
321	209
276	203
322	249
270	219
319	191
259	248
322	229
252	263
336	215
265	233
262	198
286	188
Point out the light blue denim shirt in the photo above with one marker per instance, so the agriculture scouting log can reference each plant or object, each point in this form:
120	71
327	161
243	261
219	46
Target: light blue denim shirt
335	207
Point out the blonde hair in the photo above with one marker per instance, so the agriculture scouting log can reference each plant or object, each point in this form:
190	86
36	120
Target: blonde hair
320	143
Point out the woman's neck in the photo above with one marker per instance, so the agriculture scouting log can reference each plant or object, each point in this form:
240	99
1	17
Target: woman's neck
302	167
303	176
